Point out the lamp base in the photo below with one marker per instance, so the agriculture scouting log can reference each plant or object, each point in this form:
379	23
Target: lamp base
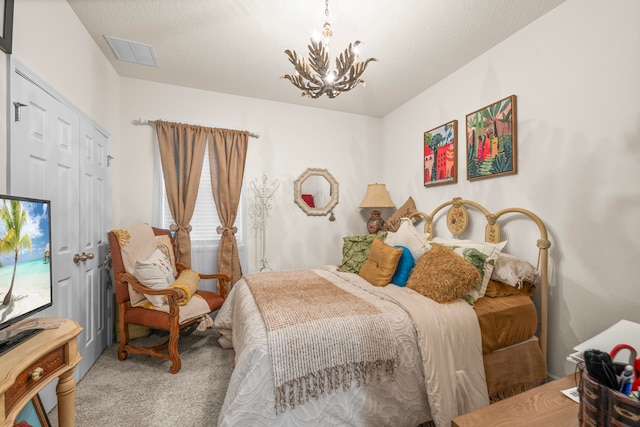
375	223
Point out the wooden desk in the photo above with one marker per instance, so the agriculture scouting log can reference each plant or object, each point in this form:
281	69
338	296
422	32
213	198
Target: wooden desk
30	366
541	406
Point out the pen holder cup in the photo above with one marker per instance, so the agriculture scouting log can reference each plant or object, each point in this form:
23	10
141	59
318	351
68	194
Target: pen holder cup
601	406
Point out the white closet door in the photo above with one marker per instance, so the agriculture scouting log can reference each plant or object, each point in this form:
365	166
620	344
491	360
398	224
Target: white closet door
44	163
94	222
58	153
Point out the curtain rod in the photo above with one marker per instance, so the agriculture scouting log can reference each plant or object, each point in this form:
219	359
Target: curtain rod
153	122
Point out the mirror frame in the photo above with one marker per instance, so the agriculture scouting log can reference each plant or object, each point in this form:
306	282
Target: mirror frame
297	192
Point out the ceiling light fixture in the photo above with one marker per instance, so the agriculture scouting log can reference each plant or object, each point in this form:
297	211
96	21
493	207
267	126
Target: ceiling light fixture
313	75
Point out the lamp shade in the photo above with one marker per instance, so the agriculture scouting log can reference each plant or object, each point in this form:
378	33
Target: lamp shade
377	197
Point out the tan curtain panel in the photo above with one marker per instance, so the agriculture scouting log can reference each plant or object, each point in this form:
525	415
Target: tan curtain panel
227	155
182	150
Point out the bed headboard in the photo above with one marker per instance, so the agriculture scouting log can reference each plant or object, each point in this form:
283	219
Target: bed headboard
457	222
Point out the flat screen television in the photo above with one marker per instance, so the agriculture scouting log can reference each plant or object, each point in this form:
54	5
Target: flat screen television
26	281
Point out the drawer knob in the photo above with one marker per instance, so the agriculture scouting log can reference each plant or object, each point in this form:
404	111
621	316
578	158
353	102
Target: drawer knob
36	374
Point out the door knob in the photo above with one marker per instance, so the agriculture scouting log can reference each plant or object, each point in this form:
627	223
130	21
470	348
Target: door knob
77	258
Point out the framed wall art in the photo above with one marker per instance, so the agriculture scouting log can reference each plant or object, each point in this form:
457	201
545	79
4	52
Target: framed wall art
441	155
491	140
33	415
6	22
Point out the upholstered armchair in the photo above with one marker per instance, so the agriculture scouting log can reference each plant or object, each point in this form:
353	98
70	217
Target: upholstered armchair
153	290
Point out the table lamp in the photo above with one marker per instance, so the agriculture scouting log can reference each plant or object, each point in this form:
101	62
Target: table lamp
376	197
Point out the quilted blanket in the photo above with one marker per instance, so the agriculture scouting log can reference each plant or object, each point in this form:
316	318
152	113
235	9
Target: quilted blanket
439	373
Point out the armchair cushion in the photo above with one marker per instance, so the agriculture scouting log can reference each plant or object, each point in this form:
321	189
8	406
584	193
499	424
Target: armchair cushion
154	272
148	314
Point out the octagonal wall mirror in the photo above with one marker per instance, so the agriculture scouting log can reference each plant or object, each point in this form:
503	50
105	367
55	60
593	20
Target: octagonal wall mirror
316	192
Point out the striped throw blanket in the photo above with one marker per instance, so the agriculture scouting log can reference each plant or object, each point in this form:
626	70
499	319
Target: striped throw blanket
320	336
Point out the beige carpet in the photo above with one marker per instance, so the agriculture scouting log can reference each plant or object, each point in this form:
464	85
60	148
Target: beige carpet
141	392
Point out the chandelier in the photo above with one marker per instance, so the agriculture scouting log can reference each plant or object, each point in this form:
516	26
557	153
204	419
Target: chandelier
313	75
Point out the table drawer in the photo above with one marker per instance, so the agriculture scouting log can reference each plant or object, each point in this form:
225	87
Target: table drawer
34	374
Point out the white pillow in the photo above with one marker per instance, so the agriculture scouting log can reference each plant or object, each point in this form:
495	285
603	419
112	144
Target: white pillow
488	251
409	237
155	272
513	271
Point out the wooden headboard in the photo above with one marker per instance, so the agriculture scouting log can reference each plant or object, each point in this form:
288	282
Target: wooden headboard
457	222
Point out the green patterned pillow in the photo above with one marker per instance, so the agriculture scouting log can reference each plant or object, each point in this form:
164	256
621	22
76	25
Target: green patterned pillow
355	251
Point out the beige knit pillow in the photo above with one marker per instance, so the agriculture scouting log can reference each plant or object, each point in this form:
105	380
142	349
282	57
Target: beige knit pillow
443	276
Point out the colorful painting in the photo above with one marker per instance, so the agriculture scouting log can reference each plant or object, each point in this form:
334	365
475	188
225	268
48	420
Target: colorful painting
32	415
441	155
491	140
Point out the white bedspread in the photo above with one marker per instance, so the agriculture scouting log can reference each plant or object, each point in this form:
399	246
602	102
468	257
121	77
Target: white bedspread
440	373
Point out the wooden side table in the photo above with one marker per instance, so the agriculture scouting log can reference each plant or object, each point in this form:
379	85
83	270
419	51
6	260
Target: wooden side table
541	406
30	366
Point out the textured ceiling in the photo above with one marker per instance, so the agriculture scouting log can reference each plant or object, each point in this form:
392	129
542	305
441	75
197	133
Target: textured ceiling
236	46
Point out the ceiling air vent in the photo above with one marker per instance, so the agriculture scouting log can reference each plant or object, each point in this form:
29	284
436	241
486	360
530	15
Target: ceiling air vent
130	51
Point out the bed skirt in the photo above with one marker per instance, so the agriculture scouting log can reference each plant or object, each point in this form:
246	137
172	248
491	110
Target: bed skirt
514	369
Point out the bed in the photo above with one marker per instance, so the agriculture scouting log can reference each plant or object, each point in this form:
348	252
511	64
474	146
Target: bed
327	346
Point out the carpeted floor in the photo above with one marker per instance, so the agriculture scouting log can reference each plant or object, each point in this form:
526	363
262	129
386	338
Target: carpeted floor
141	392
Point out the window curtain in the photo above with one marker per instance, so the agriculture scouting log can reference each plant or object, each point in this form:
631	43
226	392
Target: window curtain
182	150
227	156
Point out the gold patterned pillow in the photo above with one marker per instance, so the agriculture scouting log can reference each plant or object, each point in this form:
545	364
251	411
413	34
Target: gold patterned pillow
381	264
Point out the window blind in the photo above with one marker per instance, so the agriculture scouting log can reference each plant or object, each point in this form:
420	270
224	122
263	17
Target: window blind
205	218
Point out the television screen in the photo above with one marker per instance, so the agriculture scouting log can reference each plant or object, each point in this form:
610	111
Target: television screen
25	261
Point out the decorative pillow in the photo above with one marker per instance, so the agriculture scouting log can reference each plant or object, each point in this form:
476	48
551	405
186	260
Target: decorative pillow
164	243
155	272
482	255
513	271
355	251
381	263
498	289
443	276
409	237
403	211
405	265
187	281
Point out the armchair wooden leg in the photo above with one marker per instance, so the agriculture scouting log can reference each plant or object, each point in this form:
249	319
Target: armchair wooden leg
174	356
124	332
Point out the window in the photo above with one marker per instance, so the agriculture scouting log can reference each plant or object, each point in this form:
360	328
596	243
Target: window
204	237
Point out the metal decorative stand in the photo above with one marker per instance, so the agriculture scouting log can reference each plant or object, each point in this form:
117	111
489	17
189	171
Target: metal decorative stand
259	211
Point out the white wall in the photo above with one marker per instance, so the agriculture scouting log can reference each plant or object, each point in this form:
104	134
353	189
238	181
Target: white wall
50	40
292	138
576	75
